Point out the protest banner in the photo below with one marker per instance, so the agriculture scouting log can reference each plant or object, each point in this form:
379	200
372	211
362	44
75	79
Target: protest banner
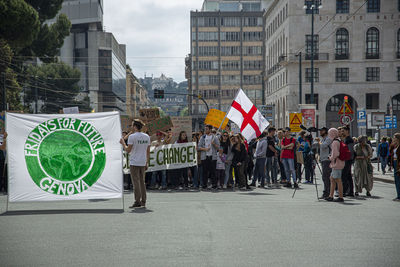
149	114
161	124
215	118
181	124
64	157
174	156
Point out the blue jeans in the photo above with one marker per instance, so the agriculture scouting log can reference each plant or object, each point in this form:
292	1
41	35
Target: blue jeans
272	168
289	169
199	176
163	178
384	161
396	178
195	175
228	173
259	172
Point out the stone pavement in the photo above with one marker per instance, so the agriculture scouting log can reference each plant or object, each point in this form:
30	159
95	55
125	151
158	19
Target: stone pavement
263	227
379	176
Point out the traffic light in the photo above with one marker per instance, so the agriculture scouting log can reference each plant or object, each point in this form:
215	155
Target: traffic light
158	94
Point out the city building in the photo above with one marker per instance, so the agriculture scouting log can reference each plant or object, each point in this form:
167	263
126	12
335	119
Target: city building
136	95
97	54
226	53
356	53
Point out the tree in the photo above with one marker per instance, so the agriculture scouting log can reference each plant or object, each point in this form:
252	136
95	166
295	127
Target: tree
57	86
184	112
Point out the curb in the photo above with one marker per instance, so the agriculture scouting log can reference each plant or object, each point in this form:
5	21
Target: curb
389	181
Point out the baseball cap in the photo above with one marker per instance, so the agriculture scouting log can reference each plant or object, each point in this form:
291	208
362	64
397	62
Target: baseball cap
323	129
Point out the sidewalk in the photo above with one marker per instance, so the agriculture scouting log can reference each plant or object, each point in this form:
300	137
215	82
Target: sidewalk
378	176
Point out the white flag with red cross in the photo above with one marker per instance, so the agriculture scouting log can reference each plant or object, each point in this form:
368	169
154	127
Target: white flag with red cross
246	115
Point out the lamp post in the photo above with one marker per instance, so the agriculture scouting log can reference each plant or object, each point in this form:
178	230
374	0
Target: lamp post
313	6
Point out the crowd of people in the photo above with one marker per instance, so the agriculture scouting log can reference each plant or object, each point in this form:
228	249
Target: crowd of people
278	158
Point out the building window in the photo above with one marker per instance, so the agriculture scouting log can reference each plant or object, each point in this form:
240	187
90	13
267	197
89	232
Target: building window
308	99
252	21
252	65
206	36
342	6
252	50
308	75
372	43
252	36
230	65
252	79
208	22
398	73
207	51
342	74
230	36
398	42
230	50
373	74
231	79
308	46
251	6
342	44
374	6
230	22
206	65
372	101
312	5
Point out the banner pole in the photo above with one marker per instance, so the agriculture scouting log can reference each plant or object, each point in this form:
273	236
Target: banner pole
238	91
219	128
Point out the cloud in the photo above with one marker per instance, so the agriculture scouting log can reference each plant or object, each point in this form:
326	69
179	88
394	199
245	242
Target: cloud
156	33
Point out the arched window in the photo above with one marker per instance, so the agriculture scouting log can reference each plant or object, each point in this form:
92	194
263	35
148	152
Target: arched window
398	43
372	43
342	44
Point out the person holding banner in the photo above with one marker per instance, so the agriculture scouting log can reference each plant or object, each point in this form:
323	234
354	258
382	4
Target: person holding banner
159	142
139	153
183	172
209	145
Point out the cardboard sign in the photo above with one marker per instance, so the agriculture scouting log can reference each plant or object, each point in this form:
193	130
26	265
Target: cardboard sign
215	118
126	123
295	120
71	110
181	124
161	124
149	114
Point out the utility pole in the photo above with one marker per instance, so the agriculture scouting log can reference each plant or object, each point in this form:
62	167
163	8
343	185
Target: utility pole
312	52
300	80
4	108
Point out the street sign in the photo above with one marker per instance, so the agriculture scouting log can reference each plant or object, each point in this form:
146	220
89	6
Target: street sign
361	118
378	118
346	119
389	121
345	109
295	120
268	111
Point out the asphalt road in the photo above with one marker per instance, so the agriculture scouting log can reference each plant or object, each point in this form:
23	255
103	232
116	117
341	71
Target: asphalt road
263	227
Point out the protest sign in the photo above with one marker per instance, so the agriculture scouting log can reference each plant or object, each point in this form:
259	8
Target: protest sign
149	114
71	110
174	156
126	123
64	157
181	124
161	124
215	118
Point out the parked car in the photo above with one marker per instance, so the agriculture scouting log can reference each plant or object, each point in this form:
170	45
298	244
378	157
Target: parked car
374	150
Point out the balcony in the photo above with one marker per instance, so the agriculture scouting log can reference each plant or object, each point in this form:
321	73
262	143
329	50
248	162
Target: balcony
342	56
318	56
372	55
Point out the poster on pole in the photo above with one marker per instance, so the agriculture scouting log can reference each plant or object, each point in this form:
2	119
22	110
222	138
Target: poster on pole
64	156
181	124
295	120
215	118
174	156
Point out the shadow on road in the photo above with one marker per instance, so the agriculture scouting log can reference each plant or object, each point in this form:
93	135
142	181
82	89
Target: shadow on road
51	212
141	210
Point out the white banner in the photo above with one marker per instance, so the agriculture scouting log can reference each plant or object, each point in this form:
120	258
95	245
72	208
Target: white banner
174	156
64	156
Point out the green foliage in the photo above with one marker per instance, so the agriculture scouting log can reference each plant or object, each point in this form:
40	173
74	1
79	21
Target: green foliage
57	85
19	23
184	112
47	9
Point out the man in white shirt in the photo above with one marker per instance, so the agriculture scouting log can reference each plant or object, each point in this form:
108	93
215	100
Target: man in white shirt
139	152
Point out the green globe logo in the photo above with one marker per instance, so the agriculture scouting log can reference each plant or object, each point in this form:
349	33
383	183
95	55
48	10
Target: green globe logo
65	156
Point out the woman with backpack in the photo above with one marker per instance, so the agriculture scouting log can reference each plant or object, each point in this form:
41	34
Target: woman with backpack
362	166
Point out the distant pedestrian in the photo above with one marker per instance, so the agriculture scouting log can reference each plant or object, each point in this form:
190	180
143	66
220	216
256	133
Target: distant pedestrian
324	151
362	166
181	175
238	161
337	166
220	171
308	160
209	146
278	146
287	157
396	164
139	153
259	168
347	178
383	153
272	159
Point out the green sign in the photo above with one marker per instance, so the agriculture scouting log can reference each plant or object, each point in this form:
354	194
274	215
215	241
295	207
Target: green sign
65	156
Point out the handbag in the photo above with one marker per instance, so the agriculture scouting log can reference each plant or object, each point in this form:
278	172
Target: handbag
299	157
370	168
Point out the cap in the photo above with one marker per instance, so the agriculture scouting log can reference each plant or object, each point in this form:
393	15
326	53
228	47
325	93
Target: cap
137	121
323	129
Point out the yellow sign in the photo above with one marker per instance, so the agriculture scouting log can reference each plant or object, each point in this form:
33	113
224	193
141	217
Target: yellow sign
295	119
345	109
215	117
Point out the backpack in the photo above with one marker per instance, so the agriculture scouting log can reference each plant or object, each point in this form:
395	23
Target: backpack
344	151
383	151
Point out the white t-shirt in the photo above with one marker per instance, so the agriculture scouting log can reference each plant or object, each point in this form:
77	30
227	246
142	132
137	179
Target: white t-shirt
208	141
394	153
138	155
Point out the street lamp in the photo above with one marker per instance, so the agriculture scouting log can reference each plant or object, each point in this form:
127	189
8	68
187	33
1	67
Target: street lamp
313	6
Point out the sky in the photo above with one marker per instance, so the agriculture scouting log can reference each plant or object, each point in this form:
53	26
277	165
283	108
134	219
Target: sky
156	34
